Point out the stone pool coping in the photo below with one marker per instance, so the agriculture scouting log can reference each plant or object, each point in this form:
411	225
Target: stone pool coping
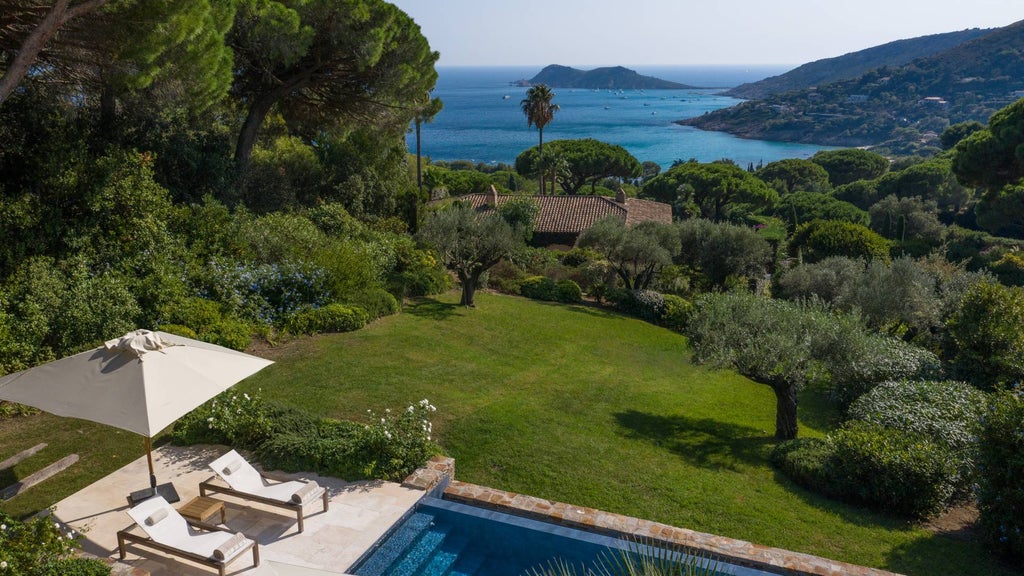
739	552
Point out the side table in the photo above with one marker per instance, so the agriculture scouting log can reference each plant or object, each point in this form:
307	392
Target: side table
202	508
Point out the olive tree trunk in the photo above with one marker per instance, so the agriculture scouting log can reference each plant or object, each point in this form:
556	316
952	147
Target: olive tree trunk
785	411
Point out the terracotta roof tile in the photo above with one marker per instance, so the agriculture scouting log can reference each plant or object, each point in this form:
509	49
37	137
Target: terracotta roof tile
560	214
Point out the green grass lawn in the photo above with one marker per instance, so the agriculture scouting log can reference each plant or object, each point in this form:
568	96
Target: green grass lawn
583	406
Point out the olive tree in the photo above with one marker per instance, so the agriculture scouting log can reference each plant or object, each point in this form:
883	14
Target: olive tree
636	253
719	250
786	345
469	243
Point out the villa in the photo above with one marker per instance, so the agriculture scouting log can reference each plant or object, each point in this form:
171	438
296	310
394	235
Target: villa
563	218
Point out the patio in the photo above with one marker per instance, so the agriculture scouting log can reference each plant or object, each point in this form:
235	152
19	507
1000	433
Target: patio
359	514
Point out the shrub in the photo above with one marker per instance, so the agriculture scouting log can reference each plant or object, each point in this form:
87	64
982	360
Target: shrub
579	256
804	460
206	321
947	411
986	337
539	288
568	292
394	444
264	293
377	302
646	304
675	312
905	473
1000	470
238	420
41	547
823	238
506	277
330	318
859	360
178	329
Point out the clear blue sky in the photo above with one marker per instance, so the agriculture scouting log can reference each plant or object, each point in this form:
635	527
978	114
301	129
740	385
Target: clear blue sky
685	32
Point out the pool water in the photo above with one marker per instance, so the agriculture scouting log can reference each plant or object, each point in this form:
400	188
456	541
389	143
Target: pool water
443	538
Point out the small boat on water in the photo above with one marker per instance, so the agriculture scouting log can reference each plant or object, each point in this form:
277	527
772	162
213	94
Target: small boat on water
505	97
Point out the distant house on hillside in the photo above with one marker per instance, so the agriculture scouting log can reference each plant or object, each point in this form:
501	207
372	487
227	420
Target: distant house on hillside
563	218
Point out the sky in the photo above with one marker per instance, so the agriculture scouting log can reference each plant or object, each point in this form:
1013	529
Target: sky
684	32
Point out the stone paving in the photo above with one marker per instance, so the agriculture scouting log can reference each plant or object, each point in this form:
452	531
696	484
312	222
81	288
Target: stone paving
727	549
359	514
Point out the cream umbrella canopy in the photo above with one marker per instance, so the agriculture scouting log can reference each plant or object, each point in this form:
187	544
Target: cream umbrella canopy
141	382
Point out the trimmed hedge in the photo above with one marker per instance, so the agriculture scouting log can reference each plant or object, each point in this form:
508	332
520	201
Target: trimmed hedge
330	318
947	411
543	288
904	473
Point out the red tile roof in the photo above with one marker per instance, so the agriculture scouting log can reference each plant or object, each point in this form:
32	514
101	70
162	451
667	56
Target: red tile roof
574	214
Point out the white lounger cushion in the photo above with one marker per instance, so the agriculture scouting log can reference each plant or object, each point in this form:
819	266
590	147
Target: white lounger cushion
172	529
245	478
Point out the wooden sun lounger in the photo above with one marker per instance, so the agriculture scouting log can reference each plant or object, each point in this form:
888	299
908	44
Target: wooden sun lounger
209	487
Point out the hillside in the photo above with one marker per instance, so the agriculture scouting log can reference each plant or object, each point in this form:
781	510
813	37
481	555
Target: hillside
904	108
854	64
607	78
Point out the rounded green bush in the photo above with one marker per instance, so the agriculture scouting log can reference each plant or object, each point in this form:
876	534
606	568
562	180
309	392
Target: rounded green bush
377	302
675	312
948	411
539	288
804	461
897	471
330	318
568	292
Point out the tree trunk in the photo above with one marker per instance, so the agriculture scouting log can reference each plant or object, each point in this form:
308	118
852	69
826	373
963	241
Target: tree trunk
250	128
468	282
785	412
540	155
419	168
30	48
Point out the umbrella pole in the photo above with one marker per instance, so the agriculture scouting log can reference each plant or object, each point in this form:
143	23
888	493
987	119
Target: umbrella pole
149	459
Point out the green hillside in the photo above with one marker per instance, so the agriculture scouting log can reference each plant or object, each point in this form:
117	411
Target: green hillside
904	107
854	64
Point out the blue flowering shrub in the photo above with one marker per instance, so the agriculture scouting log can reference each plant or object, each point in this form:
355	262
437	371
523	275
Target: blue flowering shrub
1001	473
41	547
265	293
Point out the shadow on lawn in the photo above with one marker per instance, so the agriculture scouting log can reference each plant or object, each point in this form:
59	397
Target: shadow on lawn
432	309
703	442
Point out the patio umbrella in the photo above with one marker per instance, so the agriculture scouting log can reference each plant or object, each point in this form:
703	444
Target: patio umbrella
141	382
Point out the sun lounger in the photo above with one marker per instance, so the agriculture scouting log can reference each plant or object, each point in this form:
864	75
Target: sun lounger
246	482
170	533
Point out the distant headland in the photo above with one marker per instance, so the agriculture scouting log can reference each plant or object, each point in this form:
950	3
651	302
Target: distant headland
610	78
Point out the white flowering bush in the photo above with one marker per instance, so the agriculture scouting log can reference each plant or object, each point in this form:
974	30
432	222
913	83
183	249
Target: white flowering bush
396	442
390	446
42	547
234	418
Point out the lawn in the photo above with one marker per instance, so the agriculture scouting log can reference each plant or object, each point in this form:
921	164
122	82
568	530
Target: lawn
574	404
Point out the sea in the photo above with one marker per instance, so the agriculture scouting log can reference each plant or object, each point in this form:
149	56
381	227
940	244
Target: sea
482	120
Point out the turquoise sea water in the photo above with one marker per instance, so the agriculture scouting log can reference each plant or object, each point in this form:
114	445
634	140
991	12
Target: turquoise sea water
482	120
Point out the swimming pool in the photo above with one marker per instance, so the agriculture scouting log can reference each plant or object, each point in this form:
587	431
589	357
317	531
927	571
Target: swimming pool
443	538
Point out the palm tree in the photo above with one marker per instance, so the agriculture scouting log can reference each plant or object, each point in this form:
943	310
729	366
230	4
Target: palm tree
425	113
539	112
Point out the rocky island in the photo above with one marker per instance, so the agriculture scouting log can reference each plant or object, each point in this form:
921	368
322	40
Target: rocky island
607	78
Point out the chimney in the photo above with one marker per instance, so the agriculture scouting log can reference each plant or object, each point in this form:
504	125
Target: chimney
492	197
620	196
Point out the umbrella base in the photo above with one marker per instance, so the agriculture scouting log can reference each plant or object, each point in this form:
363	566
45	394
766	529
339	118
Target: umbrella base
166	490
